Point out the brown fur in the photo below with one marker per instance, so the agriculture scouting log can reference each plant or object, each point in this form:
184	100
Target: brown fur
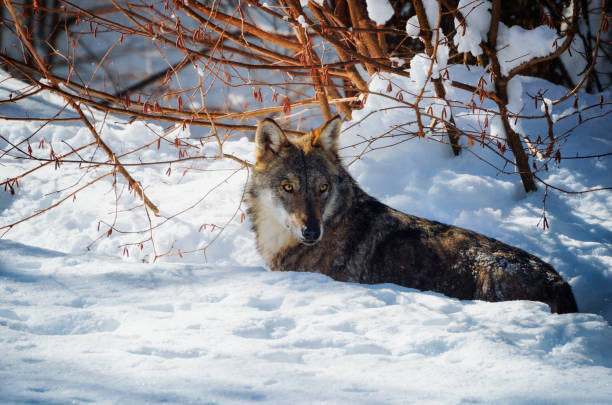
359	239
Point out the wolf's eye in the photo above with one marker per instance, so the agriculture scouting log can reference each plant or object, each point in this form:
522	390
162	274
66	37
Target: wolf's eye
323	187
288	187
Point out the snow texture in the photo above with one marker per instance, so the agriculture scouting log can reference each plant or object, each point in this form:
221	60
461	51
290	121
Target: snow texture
379	11
516	45
420	65
432	12
412	27
515	95
92	329
477	18
574	61
302	21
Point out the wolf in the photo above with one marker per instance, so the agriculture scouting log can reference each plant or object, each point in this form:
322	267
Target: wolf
308	214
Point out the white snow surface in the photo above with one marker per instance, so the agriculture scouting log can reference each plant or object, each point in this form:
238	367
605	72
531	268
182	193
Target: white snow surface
379	11
516	45
96	326
413	28
477	17
94	329
302	21
304	3
432	12
420	64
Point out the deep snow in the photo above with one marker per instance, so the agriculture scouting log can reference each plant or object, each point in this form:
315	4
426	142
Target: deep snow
92	329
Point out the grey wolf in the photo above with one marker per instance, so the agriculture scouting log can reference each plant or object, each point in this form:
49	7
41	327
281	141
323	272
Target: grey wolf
308	214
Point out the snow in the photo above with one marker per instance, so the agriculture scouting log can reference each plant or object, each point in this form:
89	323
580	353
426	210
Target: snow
304	3
215	326
574	61
89	328
397	62
379	11
477	18
412	27
420	65
302	21
419	69
516	45
515	95
432	12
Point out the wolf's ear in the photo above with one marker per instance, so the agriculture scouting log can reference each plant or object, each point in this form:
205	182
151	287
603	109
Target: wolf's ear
269	137
328	135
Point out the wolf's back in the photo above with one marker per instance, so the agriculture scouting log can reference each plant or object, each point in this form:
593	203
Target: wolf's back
460	263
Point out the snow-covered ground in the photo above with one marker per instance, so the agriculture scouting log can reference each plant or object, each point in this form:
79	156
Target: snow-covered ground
100	326
92	329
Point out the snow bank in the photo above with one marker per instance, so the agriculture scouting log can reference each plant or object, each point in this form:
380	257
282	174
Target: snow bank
96	329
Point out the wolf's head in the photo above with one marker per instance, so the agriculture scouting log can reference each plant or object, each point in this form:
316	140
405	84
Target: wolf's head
297	183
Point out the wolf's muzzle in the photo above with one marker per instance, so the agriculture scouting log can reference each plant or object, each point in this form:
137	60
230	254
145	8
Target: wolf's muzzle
311	235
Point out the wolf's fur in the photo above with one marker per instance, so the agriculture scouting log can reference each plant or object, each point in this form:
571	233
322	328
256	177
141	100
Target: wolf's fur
339	230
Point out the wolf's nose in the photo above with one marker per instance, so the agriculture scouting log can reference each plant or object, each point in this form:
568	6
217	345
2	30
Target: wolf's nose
311	234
